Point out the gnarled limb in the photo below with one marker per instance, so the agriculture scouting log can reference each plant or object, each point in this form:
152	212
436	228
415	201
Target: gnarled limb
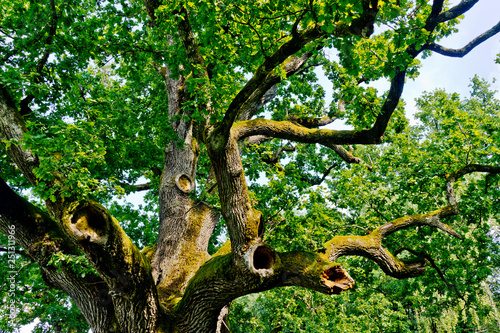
41	237
119	263
292	131
218	282
370	246
459	53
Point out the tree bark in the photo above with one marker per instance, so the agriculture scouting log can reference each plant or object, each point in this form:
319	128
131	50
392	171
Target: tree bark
177	286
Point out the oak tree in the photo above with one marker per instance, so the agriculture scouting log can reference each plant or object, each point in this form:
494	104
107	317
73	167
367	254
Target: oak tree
214	109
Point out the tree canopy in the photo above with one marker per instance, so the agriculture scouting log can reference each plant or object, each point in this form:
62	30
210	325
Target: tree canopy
215	110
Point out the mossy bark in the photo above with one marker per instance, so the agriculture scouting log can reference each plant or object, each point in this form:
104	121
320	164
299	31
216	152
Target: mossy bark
176	286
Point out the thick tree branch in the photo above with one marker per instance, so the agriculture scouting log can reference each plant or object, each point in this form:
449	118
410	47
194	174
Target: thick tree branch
118	261
459	53
292	131
220	281
263	71
370	246
191	45
41	237
362	26
431	22
12	131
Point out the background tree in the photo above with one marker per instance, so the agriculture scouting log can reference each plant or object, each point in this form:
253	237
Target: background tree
203	101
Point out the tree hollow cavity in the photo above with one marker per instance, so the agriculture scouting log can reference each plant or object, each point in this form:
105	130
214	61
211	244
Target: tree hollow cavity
89	223
90	217
263	258
184	182
337	279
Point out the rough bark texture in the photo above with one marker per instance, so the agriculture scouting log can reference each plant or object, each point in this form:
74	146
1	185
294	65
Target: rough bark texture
176	286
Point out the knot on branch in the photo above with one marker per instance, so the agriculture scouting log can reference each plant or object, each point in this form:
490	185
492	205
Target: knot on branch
88	221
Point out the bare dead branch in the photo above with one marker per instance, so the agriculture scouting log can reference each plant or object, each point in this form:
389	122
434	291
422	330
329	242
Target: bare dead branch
136	187
276	156
348	157
456	11
454	176
459	53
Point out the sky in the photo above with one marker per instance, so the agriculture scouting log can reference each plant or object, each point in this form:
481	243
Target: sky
452	74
